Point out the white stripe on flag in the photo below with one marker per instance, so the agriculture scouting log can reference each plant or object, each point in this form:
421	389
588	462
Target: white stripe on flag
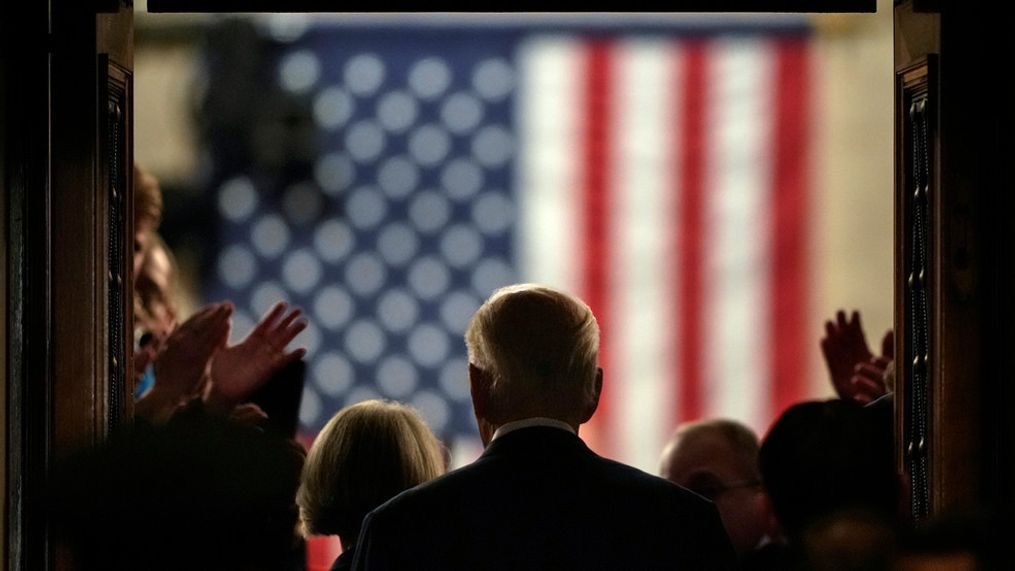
737	218
549	101
464	451
643	210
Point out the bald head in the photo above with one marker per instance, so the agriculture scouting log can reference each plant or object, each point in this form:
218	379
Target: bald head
539	347
719	460
694	444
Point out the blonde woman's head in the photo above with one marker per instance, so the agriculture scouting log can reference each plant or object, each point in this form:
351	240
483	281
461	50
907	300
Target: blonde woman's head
147	213
366	454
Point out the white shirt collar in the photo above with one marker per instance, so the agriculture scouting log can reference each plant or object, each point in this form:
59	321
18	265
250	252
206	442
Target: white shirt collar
534	421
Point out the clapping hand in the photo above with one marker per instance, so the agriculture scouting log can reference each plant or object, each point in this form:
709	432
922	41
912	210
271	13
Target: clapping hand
856	373
238	370
869	378
183	359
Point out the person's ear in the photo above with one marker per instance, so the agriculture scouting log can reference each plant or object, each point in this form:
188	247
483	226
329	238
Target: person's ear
593	403
480	385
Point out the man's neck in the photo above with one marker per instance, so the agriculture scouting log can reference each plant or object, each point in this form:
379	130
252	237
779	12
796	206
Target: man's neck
533	421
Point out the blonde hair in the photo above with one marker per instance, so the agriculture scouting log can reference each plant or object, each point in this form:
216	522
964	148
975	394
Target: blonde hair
147	197
149	293
536	341
366	454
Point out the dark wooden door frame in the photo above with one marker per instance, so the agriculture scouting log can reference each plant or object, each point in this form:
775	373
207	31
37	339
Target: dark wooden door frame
68	58
27	190
955	434
56	271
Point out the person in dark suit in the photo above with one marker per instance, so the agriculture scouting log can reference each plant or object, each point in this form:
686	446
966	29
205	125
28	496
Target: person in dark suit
829	471
538	498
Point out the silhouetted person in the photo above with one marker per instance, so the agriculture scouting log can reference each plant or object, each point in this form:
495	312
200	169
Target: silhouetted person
197	493
365	455
823	459
719	459
538	498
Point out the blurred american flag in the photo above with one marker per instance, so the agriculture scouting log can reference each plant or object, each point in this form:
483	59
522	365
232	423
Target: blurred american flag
659	174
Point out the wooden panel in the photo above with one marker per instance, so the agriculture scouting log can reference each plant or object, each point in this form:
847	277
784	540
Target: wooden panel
917	278
57	212
917	33
84	82
969	443
76	208
115	160
114	35
941	304
28	335
28	369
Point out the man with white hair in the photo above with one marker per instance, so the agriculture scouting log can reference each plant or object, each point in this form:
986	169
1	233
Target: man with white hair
538	498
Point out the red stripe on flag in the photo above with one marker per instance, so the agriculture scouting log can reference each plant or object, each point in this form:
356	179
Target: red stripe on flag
322	551
789	222
596	170
692	229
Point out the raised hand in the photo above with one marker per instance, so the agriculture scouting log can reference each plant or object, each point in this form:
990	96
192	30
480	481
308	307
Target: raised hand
868	379
856	373
237	371
183	359
844	346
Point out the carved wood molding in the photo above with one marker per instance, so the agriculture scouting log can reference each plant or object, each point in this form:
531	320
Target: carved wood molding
916	278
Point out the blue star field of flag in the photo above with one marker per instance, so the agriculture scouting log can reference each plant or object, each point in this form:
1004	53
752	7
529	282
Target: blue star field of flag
397	230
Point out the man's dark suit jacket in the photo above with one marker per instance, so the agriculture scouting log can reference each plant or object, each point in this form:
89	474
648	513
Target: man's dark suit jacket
538	498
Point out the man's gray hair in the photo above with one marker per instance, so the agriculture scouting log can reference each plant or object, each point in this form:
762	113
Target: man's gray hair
535	341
